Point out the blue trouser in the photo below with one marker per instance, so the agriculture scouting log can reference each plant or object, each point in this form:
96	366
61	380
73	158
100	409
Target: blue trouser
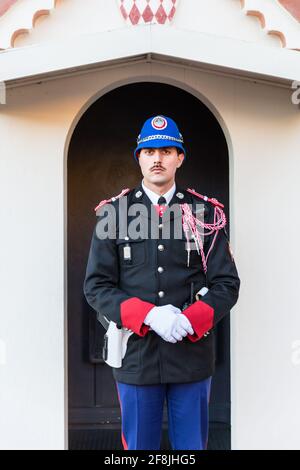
142	414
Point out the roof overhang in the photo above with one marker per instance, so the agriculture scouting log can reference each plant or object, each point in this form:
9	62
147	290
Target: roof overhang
146	43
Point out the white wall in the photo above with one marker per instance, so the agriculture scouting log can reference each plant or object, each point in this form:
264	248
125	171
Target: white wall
263	131
71	18
266	372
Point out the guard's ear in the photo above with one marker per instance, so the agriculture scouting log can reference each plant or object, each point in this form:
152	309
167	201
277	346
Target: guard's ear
180	159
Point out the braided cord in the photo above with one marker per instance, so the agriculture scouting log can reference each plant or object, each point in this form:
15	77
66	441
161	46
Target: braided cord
199	229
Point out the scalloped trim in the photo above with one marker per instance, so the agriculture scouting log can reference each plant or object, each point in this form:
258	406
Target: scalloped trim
257	13
248	11
28	28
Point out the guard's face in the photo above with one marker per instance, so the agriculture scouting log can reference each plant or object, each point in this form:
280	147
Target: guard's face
159	165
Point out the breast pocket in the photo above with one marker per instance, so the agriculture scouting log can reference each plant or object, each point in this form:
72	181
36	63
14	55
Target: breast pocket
132	252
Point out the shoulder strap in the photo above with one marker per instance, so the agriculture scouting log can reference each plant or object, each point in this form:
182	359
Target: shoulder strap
213	200
114	198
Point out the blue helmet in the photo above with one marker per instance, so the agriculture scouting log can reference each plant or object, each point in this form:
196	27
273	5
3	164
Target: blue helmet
159	131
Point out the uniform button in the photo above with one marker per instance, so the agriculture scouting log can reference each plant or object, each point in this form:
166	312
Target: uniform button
161	294
160	269
161	247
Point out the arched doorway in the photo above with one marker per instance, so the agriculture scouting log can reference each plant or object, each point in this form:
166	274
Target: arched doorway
100	164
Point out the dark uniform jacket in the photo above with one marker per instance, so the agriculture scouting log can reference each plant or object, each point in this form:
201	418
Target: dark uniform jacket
155	274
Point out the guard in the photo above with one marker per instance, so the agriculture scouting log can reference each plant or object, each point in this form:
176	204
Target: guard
160	267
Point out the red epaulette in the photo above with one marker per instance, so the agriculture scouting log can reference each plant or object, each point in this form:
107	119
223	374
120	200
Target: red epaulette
213	200
114	198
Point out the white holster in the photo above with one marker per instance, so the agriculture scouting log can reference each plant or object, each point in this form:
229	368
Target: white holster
115	344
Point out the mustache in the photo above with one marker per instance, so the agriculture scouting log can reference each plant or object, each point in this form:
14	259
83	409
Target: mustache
157	167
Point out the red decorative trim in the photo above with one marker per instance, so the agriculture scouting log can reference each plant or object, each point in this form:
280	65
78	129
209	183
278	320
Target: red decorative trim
201	316
292	6
123	439
125	445
138	11
5	6
133	314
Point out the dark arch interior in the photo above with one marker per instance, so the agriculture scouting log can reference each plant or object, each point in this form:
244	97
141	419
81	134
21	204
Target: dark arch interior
100	164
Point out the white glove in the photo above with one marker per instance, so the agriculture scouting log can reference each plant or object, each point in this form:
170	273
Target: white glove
182	327
162	320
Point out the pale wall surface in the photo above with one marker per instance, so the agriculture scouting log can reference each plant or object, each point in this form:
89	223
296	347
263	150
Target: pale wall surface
263	132
71	18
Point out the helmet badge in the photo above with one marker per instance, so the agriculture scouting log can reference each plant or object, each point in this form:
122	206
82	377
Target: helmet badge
159	123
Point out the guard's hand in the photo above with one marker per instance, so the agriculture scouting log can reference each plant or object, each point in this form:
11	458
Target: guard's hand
163	320
182	327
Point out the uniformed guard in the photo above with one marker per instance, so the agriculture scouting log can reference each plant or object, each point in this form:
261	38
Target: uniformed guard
160	266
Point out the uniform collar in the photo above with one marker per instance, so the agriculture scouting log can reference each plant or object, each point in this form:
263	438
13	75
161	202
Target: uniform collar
179	197
154	196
